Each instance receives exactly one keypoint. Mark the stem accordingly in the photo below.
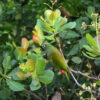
(46, 91)
(33, 94)
(89, 77)
(97, 34)
(74, 78)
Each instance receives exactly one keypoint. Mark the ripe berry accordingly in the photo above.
(63, 72)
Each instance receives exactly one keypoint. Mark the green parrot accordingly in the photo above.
(56, 57)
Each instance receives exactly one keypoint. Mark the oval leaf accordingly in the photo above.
(35, 84)
(46, 77)
(15, 86)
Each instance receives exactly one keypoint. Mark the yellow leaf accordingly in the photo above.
(22, 67)
(49, 28)
(21, 75)
(47, 13)
(34, 74)
(22, 51)
(29, 66)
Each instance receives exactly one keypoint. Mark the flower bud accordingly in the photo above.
(35, 33)
(36, 39)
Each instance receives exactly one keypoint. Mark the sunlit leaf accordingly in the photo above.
(69, 25)
(98, 83)
(40, 65)
(91, 40)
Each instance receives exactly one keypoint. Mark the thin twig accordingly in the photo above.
(46, 92)
(33, 94)
(89, 77)
(74, 78)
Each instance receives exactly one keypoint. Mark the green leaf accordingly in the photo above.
(85, 54)
(39, 62)
(19, 55)
(88, 48)
(91, 41)
(82, 42)
(32, 56)
(7, 61)
(74, 49)
(40, 65)
(15, 86)
(51, 37)
(56, 24)
(69, 25)
(69, 35)
(90, 11)
(42, 25)
(46, 77)
(52, 18)
(92, 54)
(13, 74)
(76, 60)
(35, 84)
(98, 83)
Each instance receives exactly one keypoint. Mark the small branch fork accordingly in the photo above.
(78, 84)
(89, 77)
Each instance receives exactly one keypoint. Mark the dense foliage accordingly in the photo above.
(28, 71)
